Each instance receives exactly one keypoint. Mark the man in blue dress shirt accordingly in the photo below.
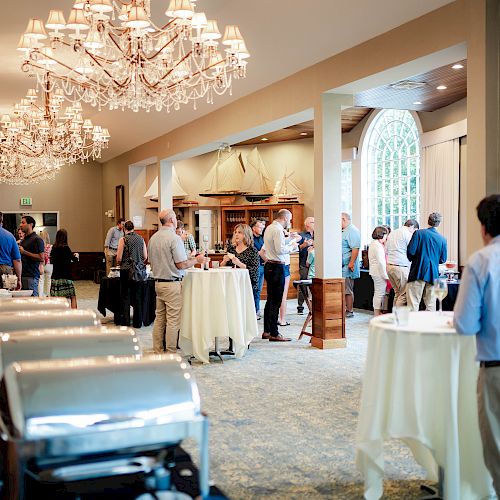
(477, 313)
(426, 250)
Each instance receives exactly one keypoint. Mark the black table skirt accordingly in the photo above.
(363, 294)
(109, 298)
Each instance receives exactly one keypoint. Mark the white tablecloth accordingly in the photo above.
(217, 303)
(420, 386)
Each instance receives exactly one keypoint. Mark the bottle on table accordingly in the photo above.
(205, 264)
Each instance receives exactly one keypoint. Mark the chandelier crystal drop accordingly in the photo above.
(39, 137)
(109, 53)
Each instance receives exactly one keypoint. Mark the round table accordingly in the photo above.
(217, 303)
(420, 386)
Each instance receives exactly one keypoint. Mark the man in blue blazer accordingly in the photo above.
(426, 250)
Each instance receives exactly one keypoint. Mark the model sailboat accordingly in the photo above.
(286, 191)
(257, 182)
(178, 191)
(224, 179)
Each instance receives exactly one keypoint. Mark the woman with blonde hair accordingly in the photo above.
(46, 267)
(242, 254)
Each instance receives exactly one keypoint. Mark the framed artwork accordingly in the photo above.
(119, 202)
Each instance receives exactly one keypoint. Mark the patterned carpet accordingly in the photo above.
(283, 418)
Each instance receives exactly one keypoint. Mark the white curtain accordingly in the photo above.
(440, 189)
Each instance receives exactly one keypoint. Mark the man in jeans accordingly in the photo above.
(257, 227)
(274, 272)
(10, 258)
(476, 313)
(168, 260)
(32, 251)
(304, 244)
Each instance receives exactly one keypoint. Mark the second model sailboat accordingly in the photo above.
(257, 183)
(224, 179)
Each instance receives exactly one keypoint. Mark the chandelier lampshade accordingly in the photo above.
(110, 53)
(38, 138)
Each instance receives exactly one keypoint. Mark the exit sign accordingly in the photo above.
(26, 201)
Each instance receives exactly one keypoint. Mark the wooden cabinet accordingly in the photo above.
(232, 215)
(146, 233)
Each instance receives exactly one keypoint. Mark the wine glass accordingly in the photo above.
(441, 291)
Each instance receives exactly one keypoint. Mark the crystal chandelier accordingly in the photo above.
(115, 56)
(40, 137)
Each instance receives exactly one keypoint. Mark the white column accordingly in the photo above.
(327, 184)
(165, 185)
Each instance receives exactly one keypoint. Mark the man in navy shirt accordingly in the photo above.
(257, 226)
(426, 250)
(10, 258)
(304, 244)
(476, 313)
(32, 250)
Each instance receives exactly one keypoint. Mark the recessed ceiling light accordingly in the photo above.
(264, 139)
(303, 133)
(417, 102)
(441, 87)
(457, 66)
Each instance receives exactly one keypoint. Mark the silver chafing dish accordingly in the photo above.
(67, 420)
(58, 343)
(33, 304)
(28, 320)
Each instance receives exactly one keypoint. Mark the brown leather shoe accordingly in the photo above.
(266, 336)
(279, 338)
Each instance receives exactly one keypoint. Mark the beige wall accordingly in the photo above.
(458, 22)
(296, 156)
(76, 194)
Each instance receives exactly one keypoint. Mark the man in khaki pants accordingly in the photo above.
(167, 257)
(426, 250)
(398, 265)
(111, 244)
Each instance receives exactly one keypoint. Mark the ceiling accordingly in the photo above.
(329, 28)
(425, 98)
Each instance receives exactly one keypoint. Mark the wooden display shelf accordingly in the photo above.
(232, 215)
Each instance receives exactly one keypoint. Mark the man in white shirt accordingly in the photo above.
(398, 265)
(276, 247)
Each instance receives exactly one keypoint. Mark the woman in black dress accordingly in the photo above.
(61, 258)
(241, 253)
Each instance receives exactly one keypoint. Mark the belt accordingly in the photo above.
(397, 265)
(489, 364)
(168, 281)
(275, 262)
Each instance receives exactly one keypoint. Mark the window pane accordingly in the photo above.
(393, 169)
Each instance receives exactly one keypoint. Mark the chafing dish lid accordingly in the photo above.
(33, 304)
(26, 320)
(82, 396)
(59, 343)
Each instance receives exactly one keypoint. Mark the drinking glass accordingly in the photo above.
(441, 291)
(215, 264)
(401, 315)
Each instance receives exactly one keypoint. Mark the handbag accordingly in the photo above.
(137, 272)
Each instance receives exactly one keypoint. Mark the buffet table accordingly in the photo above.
(109, 298)
(420, 386)
(217, 303)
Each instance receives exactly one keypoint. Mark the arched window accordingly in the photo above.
(393, 170)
